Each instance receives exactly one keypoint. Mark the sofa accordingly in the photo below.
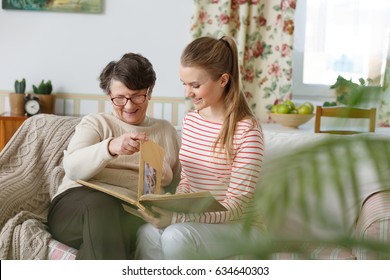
(326, 206)
(31, 170)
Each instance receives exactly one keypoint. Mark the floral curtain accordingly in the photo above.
(384, 107)
(263, 30)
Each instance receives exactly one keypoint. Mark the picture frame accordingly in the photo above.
(73, 6)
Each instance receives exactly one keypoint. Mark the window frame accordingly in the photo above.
(301, 91)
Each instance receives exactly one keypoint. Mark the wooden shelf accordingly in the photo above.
(9, 124)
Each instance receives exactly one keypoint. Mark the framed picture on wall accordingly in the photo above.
(74, 6)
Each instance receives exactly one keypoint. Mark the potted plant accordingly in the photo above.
(353, 94)
(47, 100)
(16, 98)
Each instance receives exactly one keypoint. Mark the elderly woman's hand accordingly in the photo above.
(126, 144)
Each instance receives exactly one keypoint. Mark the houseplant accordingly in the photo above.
(16, 98)
(44, 92)
(354, 94)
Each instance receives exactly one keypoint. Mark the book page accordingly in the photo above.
(150, 168)
(196, 202)
(122, 193)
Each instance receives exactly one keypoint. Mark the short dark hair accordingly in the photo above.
(133, 70)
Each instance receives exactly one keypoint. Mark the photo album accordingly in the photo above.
(150, 193)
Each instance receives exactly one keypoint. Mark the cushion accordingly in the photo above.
(318, 252)
(60, 251)
(374, 224)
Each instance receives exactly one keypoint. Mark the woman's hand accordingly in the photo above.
(162, 220)
(126, 144)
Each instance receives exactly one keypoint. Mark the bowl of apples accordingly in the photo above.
(290, 115)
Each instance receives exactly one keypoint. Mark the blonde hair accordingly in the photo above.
(217, 57)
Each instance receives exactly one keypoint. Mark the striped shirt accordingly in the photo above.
(204, 169)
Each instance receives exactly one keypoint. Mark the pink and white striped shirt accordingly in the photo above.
(206, 170)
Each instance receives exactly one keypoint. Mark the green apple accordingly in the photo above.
(309, 104)
(304, 109)
(289, 103)
(282, 109)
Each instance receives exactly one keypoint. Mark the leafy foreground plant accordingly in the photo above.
(313, 196)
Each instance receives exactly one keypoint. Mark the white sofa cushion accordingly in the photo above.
(336, 217)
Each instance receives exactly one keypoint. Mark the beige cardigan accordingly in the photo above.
(87, 155)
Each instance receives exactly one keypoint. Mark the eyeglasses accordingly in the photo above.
(122, 101)
(135, 99)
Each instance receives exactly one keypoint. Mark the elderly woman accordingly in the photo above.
(105, 148)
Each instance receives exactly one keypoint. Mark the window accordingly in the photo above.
(339, 37)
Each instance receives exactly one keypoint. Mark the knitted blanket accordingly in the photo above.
(30, 170)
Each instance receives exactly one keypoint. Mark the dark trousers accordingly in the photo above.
(94, 223)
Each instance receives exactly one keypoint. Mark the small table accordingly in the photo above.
(308, 128)
(9, 124)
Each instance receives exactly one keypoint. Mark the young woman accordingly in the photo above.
(221, 152)
(105, 149)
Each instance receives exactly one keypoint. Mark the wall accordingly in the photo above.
(71, 49)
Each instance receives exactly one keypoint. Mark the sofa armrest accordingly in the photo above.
(374, 223)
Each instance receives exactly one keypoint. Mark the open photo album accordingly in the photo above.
(149, 192)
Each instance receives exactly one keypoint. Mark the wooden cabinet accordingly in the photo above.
(8, 126)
